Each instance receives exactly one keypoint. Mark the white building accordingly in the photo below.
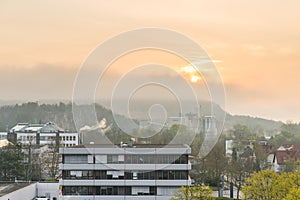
(111, 172)
(42, 134)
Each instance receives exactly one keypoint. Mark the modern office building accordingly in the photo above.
(140, 171)
(41, 134)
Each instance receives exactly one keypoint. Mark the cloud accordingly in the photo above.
(255, 49)
(39, 82)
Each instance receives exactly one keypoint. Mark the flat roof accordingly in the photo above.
(6, 188)
(129, 146)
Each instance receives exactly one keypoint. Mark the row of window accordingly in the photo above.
(127, 175)
(156, 159)
(128, 159)
(67, 138)
(49, 138)
(91, 190)
(108, 190)
(69, 145)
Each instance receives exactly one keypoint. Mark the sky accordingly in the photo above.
(256, 44)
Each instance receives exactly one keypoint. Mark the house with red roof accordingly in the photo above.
(287, 157)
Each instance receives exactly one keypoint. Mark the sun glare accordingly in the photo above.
(191, 74)
(195, 79)
(188, 69)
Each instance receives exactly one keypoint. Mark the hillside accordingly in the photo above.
(61, 114)
(32, 112)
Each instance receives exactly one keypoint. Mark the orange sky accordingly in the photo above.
(257, 41)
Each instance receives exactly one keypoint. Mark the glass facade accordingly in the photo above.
(75, 159)
(97, 190)
(147, 174)
(131, 159)
(127, 175)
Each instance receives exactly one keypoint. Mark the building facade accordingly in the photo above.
(114, 172)
(42, 134)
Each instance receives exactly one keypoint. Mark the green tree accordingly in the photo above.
(193, 193)
(241, 132)
(11, 162)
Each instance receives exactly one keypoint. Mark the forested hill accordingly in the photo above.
(32, 112)
(61, 114)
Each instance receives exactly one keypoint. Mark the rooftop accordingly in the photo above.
(6, 188)
(131, 146)
(288, 152)
(49, 127)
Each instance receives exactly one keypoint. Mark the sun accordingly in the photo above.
(190, 73)
(195, 79)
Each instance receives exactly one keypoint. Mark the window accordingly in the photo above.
(128, 175)
(159, 159)
(69, 174)
(134, 159)
(177, 175)
(113, 190)
(183, 159)
(183, 175)
(171, 175)
(112, 159)
(165, 175)
(159, 175)
(153, 190)
(87, 175)
(76, 159)
(141, 159)
(100, 174)
(78, 190)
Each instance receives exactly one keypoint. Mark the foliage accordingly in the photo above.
(241, 132)
(289, 135)
(11, 162)
(61, 114)
(32, 112)
(261, 185)
(209, 170)
(193, 193)
(268, 185)
(50, 163)
(294, 194)
(255, 124)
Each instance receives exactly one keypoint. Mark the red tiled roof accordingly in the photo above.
(291, 153)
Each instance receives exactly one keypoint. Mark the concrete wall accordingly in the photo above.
(36, 189)
(24, 193)
(49, 190)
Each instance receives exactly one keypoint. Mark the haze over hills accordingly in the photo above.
(12, 112)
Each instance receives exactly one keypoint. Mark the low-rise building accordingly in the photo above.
(287, 158)
(42, 134)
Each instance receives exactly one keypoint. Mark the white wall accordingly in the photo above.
(35, 189)
(27, 193)
(51, 188)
